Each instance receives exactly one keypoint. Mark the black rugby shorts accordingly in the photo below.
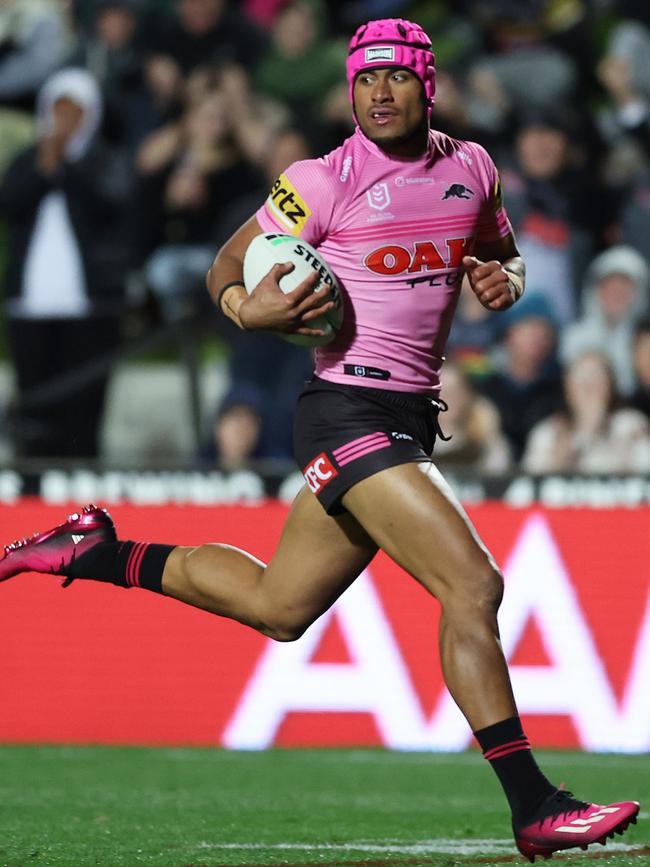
(345, 433)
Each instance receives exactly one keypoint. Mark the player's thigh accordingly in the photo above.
(412, 514)
(317, 558)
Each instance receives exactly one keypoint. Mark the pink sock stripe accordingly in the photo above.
(505, 749)
(353, 444)
(366, 451)
(133, 564)
(129, 563)
(137, 563)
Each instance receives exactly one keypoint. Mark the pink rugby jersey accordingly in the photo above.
(394, 230)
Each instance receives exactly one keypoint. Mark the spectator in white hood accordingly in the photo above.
(614, 298)
(64, 199)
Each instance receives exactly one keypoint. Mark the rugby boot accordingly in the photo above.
(52, 552)
(562, 822)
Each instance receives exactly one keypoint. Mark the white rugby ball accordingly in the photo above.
(267, 250)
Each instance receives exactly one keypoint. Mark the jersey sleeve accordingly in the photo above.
(493, 221)
(299, 203)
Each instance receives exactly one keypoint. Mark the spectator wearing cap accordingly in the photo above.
(526, 385)
(592, 432)
(614, 298)
(557, 212)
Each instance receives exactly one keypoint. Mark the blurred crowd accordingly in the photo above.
(137, 135)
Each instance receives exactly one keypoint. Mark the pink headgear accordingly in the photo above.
(393, 42)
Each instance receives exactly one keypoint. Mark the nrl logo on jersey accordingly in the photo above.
(378, 197)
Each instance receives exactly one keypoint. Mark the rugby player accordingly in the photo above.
(401, 213)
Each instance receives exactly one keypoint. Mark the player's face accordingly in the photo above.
(390, 109)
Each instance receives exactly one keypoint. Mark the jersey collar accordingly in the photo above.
(426, 156)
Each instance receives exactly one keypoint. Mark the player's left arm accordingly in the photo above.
(496, 272)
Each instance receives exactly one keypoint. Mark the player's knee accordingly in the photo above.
(493, 589)
(284, 625)
(486, 592)
(479, 596)
(285, 631)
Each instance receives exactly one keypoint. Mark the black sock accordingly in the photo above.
(127, 564)
(507, 748)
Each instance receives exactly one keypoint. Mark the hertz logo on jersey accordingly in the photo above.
(288, 206)
(422, 256)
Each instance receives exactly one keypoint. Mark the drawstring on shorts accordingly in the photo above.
(439, 406)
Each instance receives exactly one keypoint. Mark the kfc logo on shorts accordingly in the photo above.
(319, 473)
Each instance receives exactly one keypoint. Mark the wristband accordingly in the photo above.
(515, 285)
(229, 311)
(225, 289)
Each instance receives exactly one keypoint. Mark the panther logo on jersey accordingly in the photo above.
(458, 191)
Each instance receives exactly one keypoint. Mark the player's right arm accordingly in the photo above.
(267, 307)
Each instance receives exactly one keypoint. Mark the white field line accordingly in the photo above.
(422, 847)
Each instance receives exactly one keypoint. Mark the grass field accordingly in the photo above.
(107, 806)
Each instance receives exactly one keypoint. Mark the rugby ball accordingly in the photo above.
(267, 250)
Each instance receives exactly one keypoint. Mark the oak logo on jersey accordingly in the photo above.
(288, 206)
(421, 256)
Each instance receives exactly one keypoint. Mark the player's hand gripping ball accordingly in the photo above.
(267, 250)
